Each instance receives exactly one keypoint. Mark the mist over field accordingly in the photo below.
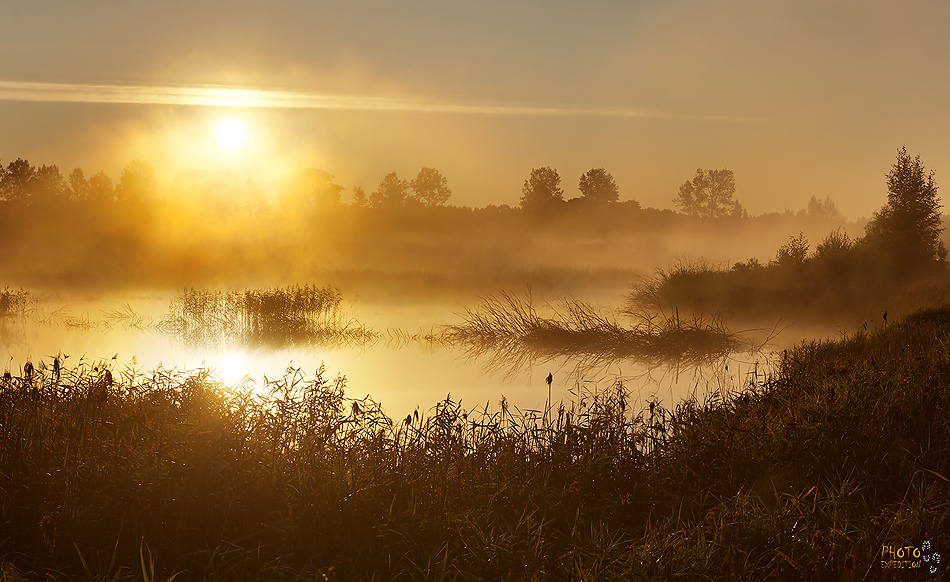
(474, 291)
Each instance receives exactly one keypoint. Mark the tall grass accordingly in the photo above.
(15, 303)
(831, 287)
(801, 475)
(510, 328)
(264, 317)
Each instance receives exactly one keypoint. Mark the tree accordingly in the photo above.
(309, 189)
(541, 189)
(48, 185)
(392, 192)
(908, 226)
(709, 195)
(793, 253)
(17, 181)
(137, 183)
(431, 187)
(78, 188)
(359, 197)
(100, 188)
(824, 210)
(598, 185)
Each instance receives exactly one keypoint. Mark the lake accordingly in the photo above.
(402, 368)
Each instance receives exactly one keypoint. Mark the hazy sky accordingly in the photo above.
(797, 97)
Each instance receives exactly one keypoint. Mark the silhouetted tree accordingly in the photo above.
(541, 189)
(48, 185)
(137, 183)
(431, 187)
(597, 184)
(101, 189)
(823, 210)
(908, 227)
(310, 188)
(836, 246)
(17, 181)
(359, 197)
(78, 186)
(794, 252)
(392, 192)
(709, 194)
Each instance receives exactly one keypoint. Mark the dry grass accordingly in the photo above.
(802, 474)
(510, 328)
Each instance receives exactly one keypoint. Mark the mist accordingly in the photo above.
(487, 291)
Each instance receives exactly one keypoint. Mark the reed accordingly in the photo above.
(804, 473)
(15, 303)
(264, 317)
(510, 327)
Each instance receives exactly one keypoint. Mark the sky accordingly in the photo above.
(797, 97)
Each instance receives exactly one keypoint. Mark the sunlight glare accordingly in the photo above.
(231, 133)
(232, 367)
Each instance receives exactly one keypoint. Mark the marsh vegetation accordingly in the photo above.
(510, 330)
(264, 318)
(786, 475)
(803, 468)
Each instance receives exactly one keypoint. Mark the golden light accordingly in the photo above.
(232, 367)
(231, 133)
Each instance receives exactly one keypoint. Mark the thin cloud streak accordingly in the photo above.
(225, 96)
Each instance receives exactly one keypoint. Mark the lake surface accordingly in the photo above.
(402, 370)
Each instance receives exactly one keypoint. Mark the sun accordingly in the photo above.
(231, 133)
(232, 367)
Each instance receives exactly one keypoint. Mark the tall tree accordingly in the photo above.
(310, 188)
(359, 197)
(709, 194)
(78, 188)
(17, 181)
(48, 185)
(392, 192)
(431, 187)
(100, 188)
(137, 183)
(541, 189)
(908, 226)
(598, 185)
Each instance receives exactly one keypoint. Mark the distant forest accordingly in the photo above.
(213, 227)
(710, 194)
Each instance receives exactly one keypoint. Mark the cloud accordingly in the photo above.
(229, 96)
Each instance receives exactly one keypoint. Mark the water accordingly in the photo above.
(402, 370)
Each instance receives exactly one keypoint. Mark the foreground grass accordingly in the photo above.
(803, 475)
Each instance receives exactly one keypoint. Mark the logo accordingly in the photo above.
(910, 557)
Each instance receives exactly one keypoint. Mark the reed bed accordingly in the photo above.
(268, 318)
(15, 303)
(510, 328)
(803, 474)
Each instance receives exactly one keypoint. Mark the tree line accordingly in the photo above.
(903, 236)
(709, 194)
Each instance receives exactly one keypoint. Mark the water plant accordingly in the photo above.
(806, 473)
(277, 317)
(510, 329)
